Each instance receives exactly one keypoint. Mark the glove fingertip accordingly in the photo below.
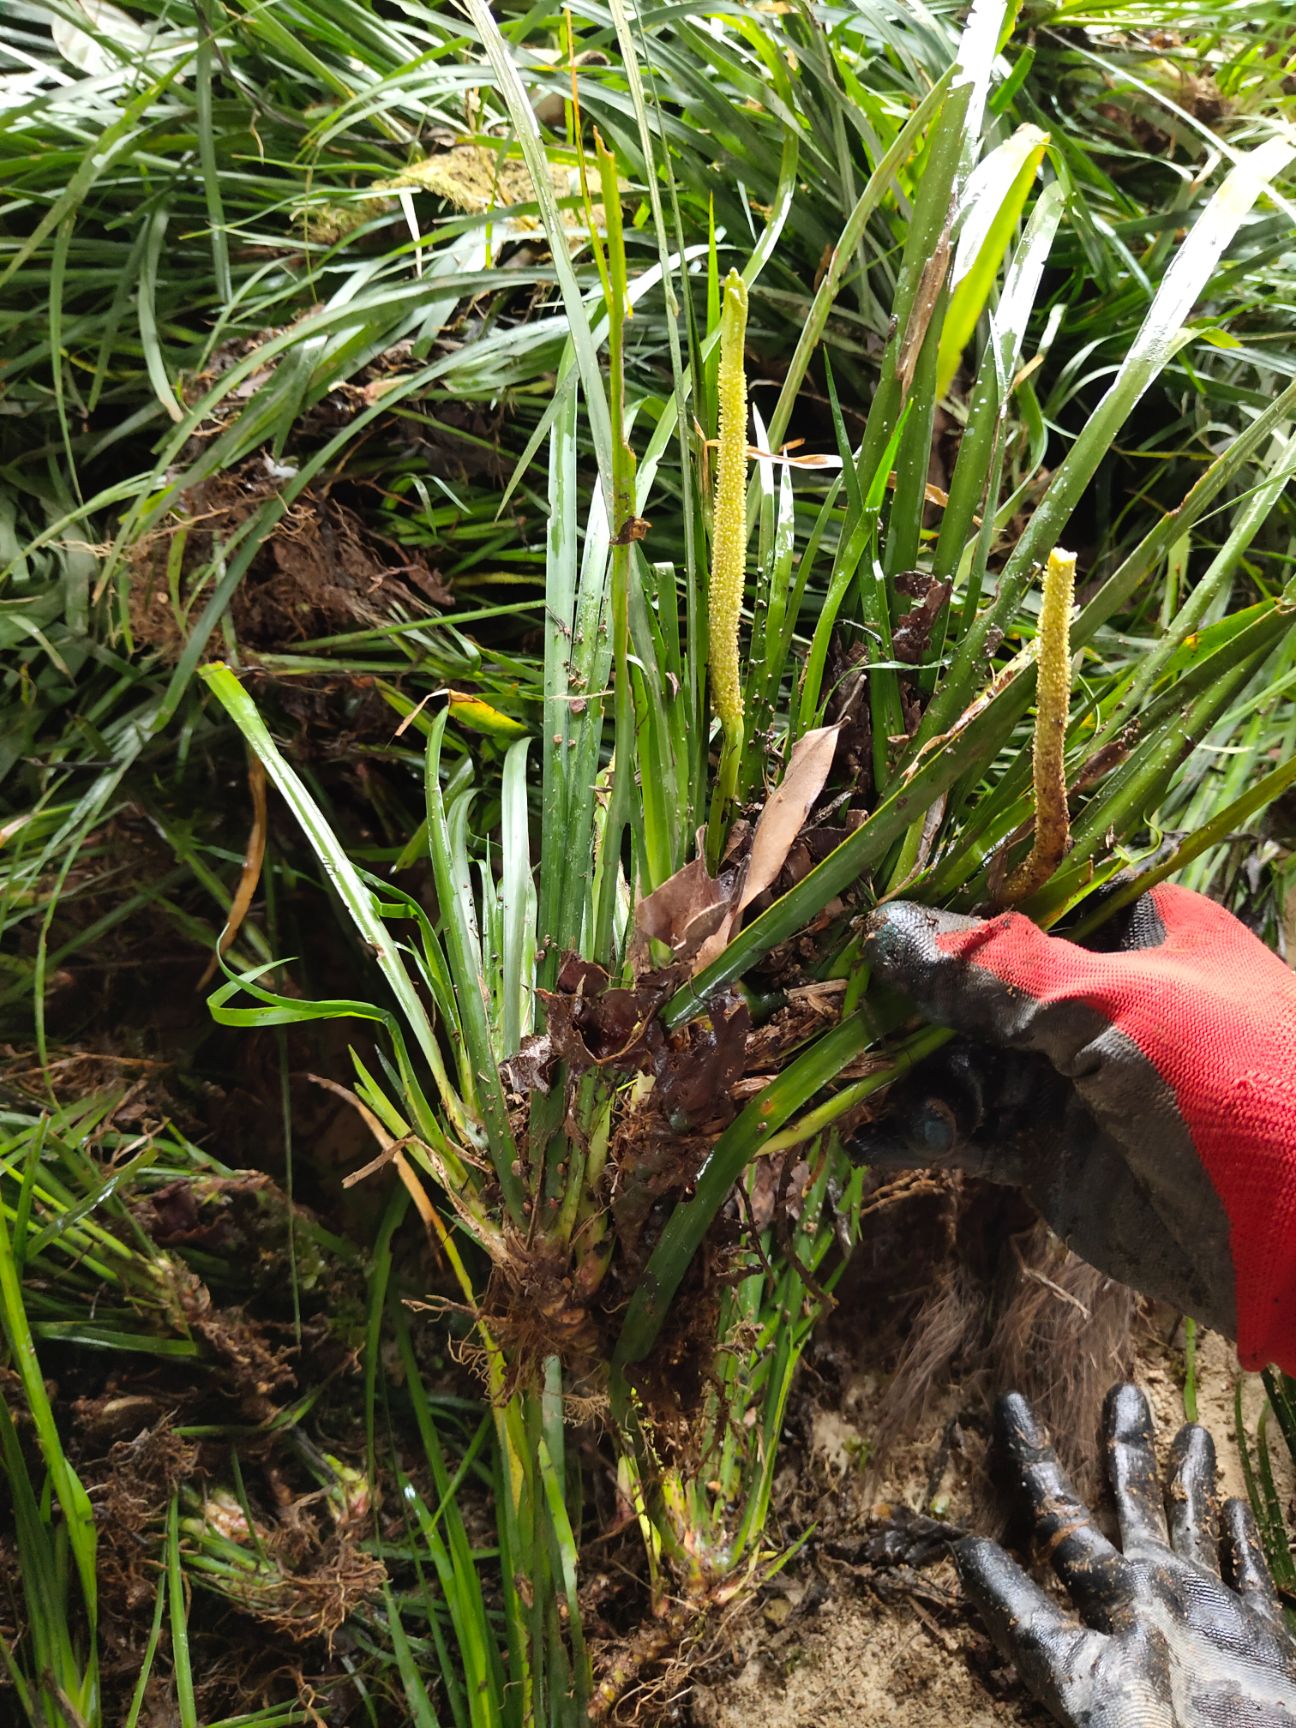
(985, 977)
(1127, 1416)
(1016, 1425)
(901, 939)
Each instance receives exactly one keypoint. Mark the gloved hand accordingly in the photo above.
(1144, 1099)
(1166, 1641)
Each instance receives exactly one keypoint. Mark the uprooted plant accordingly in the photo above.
(609, 1050)
(610, 1030)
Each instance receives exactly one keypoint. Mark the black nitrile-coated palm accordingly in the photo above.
(1009, 1117)
(1179, 1628)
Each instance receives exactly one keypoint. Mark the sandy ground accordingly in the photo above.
(861, 1665)
(835, 1642)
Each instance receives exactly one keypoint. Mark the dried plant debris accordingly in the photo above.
(319, 570)
(301, 1572)
(255, 1370)
(475, 178)
(687, 909)
(696, 915)
(912, 636)
(539, 1303)
(593, 1024)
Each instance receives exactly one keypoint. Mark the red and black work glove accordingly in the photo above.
(1143, 1099)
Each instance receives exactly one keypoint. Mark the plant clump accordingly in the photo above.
(421, 1158)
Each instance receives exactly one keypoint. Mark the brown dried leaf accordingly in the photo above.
(930, 284)
(696, 1076)
(784, 814)
(253, 858)
(531, 1070)
(777, 831)
(912, 634)
(687, 908)
(591, 1025)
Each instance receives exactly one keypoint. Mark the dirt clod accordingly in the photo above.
(319, 568)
